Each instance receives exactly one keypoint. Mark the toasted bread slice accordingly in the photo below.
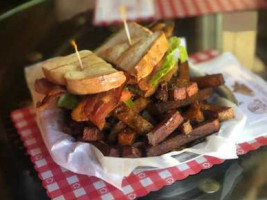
(55, 69)
(138, 59)
(136, 31)
(95, 79)
(96, 76)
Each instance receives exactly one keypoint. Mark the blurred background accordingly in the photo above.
(32, 31)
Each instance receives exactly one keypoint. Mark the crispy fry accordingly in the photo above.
(200, 131)
(223, 113)
(131, 152)
(126, 137)
(194, 113)
(165, 128)
(158, 27)
(114, 152)
(167, 28)
(92, 134)
(182, 88)
(165, 106)
(186, 127)
(116, 129)
(132, 119)
(102, 146)
(184, 71)
(140, 104)
(209, 81)
(162, 92)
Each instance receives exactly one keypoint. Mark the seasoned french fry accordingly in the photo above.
(169, 105)
(126, 137)
(200, 131)
(184, 71)
(162, 92)
(132, 119)
(116, 129)
(114, 152)
(140, 104)
(194, 113)
(209, 81)
(186, 127)
(223, 113)
(167, 28)
(165, 128)
(131, 152)
(181, 88)
(92, 134)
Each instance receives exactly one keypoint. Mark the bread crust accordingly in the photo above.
(93, 85)
(59, 69)
(152, 57)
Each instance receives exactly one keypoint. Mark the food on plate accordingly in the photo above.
(209, 81)
(201, 130)
(223, 113)
(133, 100)
(165, 128)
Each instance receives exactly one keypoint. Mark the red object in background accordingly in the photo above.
(165, 9)
(188, 8)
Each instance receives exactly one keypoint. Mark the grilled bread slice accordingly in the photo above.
(95, 77)
(139, 59)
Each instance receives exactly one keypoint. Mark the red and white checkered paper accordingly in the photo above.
(165, 9)
(62, 184)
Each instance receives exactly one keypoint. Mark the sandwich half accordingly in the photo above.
(141, 57)
(95, 77)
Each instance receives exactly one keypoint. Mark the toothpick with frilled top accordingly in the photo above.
(73, 43)
(123, 16)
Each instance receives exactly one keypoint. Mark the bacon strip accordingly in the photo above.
(50, 98)
(43, 86)
(97, 107)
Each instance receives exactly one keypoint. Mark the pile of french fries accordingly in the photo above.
(177, 115)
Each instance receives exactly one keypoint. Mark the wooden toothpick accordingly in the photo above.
(73, 43)
(123, 16)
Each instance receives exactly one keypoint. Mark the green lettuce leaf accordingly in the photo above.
(174, 42)
(68, 101)
(183, 54)
(174, 53)
(129, 103)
